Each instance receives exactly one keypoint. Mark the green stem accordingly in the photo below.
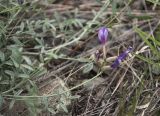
(104, 52)
(51, 95)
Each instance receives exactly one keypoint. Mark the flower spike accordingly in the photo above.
(121, 57)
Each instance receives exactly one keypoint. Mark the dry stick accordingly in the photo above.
(99, 108)
(119, 82)
(87, 105)
(114, 77)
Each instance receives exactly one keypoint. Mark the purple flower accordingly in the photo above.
(121, 57)
(97, 55)
(103, 35)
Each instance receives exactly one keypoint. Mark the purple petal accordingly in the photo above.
(115, 64)
(120, 58)
(97, 55)
(103, 34)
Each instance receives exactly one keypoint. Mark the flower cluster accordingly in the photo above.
(102, 37)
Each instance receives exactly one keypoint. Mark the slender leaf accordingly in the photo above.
(88, 67)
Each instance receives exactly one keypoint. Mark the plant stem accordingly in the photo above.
(104, 52)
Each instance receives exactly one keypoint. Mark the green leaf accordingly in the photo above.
(10, 73)
(38, 24)
(1, 101)
(12, 104)
(156, 41)
(114, 7)
(146, 59)
(18, 92)
(45, 102)
(5, 82)
(64, 107)
(51, 56)
(10, 63)
(15, 63)
(156, 69)
(16, 55)
(28, 60)
(23, 75)
(83, 60)
(2, 56)
(75, 97)
(34, 86)
(40, 41)
(99, 1)
(17, 41)
(27, 67)
(154, 2)
(88, 67)
(144, 36)
(51, 110)
(22, 26)
(39, 72)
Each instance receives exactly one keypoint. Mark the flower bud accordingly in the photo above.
(103, 35)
